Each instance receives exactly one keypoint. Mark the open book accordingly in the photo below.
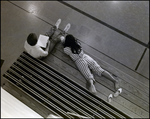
(42, 40)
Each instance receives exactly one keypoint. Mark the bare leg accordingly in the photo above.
(85, 71)
(109, 76)
(51, 32)
(57, 39)
(91, 86)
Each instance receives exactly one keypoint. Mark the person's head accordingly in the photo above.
(32, 39)
(70, 41)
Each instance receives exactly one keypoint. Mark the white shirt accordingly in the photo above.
(35, 51)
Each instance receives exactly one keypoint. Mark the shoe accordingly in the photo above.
(109, 99)
(118, 92)
(67, 27)
(58, 23)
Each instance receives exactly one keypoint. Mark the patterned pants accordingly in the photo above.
(85, 64)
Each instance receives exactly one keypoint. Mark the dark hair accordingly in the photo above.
(71, 42)
(32, 39)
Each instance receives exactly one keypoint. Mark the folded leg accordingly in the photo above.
(93, 65)
(52, 30)
(85, 71)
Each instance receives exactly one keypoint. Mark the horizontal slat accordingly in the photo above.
(64, 87)
(120, 103)
(61, 112)
(71, 104)
(39, 63)
(40, 90)
(56, 91)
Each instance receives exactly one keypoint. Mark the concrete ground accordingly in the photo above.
(116, 32)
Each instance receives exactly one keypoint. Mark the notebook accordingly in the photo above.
(42, 40)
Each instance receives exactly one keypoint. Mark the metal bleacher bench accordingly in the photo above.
(55, 91)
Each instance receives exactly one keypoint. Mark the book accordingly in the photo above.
(42, 40)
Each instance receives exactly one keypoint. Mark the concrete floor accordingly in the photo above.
(18, 19)
(118, 31)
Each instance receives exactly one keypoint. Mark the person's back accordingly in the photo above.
(73, 48)
(32, 48)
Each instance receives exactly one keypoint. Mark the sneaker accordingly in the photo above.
(58, 23)
(118, 92)
(109, 98)
(67, 27)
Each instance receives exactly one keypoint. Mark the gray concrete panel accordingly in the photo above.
(48, 11)
(131, 17)
(16, 25)
(107, 41)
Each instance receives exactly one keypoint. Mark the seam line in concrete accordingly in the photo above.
(105, 24)
(140, 59)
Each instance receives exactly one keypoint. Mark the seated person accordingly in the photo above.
(32, 48)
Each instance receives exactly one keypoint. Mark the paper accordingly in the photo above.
(42, 41)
